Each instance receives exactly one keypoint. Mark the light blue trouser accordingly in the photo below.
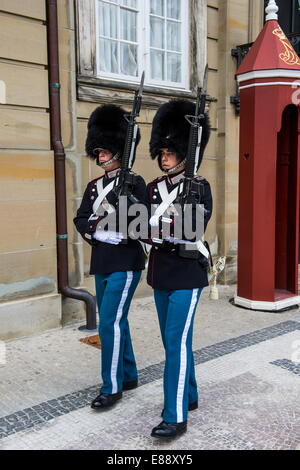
(114, 294)
(176, 311)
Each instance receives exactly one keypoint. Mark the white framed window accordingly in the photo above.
(137, 35)
(118, 39)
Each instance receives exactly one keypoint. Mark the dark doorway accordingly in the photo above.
(286, 202)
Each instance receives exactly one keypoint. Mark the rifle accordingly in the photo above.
(191, 187)
(126, 179)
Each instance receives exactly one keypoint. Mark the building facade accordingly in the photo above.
(101, 61)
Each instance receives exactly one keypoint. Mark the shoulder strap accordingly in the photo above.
(102, 193)
(167, 200)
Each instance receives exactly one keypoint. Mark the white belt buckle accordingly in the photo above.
(167, 220)
(93, 217)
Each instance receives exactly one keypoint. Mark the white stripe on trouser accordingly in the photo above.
(117, 334)
(183, 359)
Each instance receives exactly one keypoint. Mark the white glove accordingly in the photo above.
(154, 221)
(178, 240)
(108, 236)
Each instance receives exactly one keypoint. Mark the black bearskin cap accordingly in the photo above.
(107, 129)
(171, 130)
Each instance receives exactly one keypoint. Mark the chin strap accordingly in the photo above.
(171, 170)
(113, 159)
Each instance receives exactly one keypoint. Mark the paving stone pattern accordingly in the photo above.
(46, 411)
(289, 365)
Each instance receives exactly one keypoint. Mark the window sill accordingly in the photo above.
(94, 89)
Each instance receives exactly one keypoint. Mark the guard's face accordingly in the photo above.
(104, 155)
(168, 159)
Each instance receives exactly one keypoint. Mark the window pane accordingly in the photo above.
(289, 20)
(173, 36)
(296, 16)
(288, 14)
(129, 60)
(157, 38)
(173, 9)
(128, 25)
(108, 20)
(130, 3)
(157, 7)
(108, 56)
(157, 65)
(174, 67)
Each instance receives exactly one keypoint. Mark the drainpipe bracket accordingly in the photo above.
(55, 85)
(84, 329)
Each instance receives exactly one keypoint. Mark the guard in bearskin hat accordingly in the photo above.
(116, 260)
(176, 275)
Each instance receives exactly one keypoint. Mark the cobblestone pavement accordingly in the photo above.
(247, 366)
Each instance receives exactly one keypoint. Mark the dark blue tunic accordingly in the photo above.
(105, 257)
(167, 270)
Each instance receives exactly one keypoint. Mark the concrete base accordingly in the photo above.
(35, 314)
(73, 310)
(276, 306)
(32, 315)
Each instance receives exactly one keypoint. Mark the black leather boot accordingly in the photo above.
(192, 406)
(169, 430)
(130, 385)
(105, 400)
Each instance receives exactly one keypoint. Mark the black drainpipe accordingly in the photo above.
(60, 170)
